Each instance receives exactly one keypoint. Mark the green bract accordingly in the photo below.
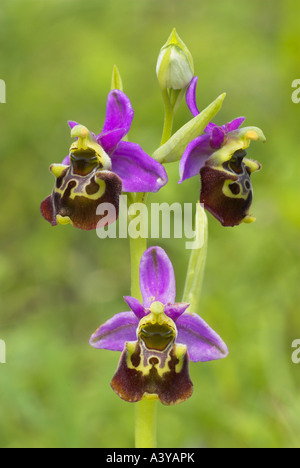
(174, 148)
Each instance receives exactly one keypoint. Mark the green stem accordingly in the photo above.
(145, 424)
(145, 414)
(169, 118)
(137, 248)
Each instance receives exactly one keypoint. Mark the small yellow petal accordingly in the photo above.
(252, 165)
(58, 169)
(249, 219)
(63, 220)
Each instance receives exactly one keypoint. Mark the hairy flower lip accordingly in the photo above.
(226, 194)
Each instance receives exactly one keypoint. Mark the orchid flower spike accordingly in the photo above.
(157, 338)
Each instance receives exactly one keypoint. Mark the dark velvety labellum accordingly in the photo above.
(226, 196)
(226, 190)
(48, 211)
(77, 197)
(171, 386)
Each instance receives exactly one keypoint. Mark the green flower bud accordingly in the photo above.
(175, 67)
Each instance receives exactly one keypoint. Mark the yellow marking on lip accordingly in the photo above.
(180, 352)
(228, 193)
(145, 370)
(74, 193)
(101, 191)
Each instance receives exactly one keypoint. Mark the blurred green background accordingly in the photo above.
(59, 284)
